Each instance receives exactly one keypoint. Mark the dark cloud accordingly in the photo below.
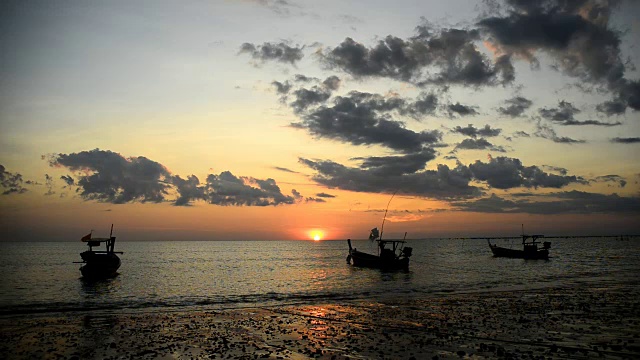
(12, 183)
(478, 144)
(312, 199)
(461, 110)
(611, 178)
(280, 52)
(443, 183)
(362, 119)
(474, 132)
(568, 202)
(447, 57)
(332, 83)
(380, 175)
(188, 189)
(307, 97)
(426, 104)
(114, 178)
(282, 88)
(68, 180)
(628, 140)
(505, 173)
(397, 165)
(304, 78)
(521, 134)
(296, 194)
(576, 34)
(546, 132)
(107, 176)
(610, 108)
(564, 113)
(516, 106)
(228, 190)
(325, 195)
(285, 169)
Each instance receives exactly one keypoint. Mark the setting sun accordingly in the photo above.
(316, 235)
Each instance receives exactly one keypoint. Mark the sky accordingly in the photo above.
(286, 119)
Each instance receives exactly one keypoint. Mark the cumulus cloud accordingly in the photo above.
(506, 173)
(12, 183)
(397, 165)
(282, 87)
(114, 178)
(377, 175)
(106, 176)
(461, 110)
(474, 132)
(564, 113)
(280, 52)
(478, 144)
(447, 57)
(362, 119)
(610, 108)
(515, 106)
(576, 34)
(443, 183)
(227, 189)
(425, 104)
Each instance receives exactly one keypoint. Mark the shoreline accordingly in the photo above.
(581, 322)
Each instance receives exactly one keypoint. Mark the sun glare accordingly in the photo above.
(316, 235)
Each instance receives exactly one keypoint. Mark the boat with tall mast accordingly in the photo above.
(392, 254)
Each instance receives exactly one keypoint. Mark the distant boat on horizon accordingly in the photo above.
(530, 249)
(100, 264)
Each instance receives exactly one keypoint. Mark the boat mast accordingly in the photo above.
(385, 214)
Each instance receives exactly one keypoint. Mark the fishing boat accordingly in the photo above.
(392, 254)
(99, 264)
(530, 249)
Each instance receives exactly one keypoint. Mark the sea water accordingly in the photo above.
(41, 277)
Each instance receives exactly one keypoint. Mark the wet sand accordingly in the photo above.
(551, 323)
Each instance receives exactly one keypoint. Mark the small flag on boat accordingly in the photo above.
(86, 237)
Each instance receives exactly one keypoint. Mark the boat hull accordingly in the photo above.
(541, 254)
(361, 259)
(99, 266)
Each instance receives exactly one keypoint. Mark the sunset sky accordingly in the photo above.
(287, 119)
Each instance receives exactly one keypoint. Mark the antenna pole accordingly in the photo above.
(385, 214)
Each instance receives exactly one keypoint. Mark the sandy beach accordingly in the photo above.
(588, 322)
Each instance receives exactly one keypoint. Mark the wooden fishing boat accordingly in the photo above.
(530, 249)
(98, 264)
(392, 254)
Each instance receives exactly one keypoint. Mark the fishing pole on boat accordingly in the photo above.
(385, 214)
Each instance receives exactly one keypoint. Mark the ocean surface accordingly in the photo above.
(40, 277)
